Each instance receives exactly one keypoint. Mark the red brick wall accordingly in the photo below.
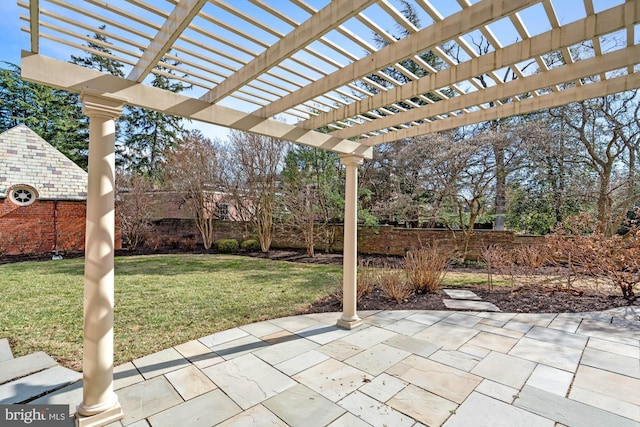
(43, 227)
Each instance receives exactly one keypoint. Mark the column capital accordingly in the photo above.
(351, 160)
(94, 105)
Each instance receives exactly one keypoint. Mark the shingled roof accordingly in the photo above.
(27, 159)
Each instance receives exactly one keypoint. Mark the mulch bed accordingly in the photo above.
(517, 299)
(526, 299)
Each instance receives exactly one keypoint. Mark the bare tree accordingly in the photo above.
(192, 170)
(312, 196)
(463, 174)
(134, 207)
(609, 135)
(251, 178)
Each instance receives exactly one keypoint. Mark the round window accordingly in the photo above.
(22, 196)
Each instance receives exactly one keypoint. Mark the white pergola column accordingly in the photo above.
(100, 404)
(350, 319)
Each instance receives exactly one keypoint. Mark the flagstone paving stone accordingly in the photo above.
(461, 294)
(285, 350)
(248, 380)
(557, 356)
(333, 379)
(20, 366)
(349, 420)
(377, 359)
(202, 411)
(432, 410)
(147, 398)
(401, 368)
(383, 387)
(445, 381)
(456, 304)
(557, 337)
(292, 406)
(5, 350)
(190, 382)
(413, 345)
(550, 379)
(257, 416)
(481, 410)
(223, 337)
(301, 362)
(456, 359)
(29, 387)
(447, 335)
(462, 319)
(568, 411)
(611, 362)
(160, 363)
(373, 412)
(497, 391)
(504, 369)
(492, 341)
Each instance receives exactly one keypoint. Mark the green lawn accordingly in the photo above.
(160, 300)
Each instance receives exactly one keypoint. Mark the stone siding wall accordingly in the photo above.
(384, 240)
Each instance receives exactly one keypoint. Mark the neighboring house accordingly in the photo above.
(42, 197)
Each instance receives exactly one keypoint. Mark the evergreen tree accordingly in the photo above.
(54, 114)
(148, 134)
(98, 62)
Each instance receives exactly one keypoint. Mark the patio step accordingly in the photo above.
(35, 385)
(25, 378)
(5, 350)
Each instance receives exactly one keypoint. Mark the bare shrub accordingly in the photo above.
(367, 278)
(584, 251)
(394, 285)
(490, 255)
(187, 243)
(134, 208)
(500, 262)
(426, 267)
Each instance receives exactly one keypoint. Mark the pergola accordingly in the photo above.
(285, 68)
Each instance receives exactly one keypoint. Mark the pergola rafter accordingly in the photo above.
(361, 71)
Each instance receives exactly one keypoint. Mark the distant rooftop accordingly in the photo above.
(27, 159)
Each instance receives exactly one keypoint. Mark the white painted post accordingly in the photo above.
(350, 319)
(100, 404)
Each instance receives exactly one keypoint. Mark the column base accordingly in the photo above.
(102, 419)
(349, 324)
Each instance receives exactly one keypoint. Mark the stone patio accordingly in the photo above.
(402, 368)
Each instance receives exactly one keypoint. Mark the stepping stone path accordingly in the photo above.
(462, 299)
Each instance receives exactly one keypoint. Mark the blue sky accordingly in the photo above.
(12, 39)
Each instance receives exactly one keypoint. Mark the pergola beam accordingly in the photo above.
(325, 20)
(34, 25)
(570, 72)
(459, 23)
(178, 20)
(528, 105)
(605, 22)
(75, 78)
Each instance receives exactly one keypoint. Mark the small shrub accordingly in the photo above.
(187, 243)
(426, 267)
(227, 246)
(250, 245)
(394, 286)
(367, 277)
